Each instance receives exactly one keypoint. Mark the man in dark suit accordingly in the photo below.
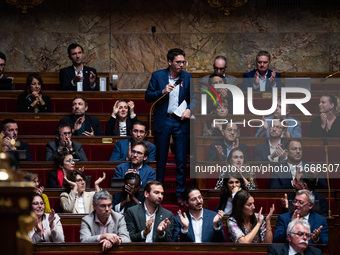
(303, 203)
(10, 138)
(283, 178)
(122, 150)
(261, 79)
(185, 225)
(3, 60)
(272, 150)
(139, 153)
(81, 123)
(166, 122)
(78, 77)
(220, 150)
(150, 222)
(298, 234)
(63, 142)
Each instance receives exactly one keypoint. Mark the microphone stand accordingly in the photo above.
(325, 144)
(329, 76)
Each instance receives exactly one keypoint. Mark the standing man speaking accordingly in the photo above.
(166, 122)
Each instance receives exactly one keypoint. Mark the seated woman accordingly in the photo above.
(246, 226)
(34, 177)
(120, 122)
(64, 163)
(232, 183)
(48, 227)
(76, 199)
(237, 161)
(328, 123)
(211, 129)
(33, 100)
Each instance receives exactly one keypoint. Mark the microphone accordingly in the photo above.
(325, 144)
(179, 81)
(329, 76)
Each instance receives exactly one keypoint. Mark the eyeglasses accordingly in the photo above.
(180, 62)
(69, 160)
(219, 69)
(301, 234)
(194, 199)
(136, 131)
(80, 180)
(137, 152)
(37, 203)
(300, 202)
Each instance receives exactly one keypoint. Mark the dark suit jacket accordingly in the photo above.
(147, 173)
(262, 151)
(52, 179)
(212, 153)
(282, 180)
(67, 74)
(135, 221)
(24, 104)
(208, 232)
(248, 79)
(24, 146)
(90, 121)
(110, 126)
(52, 149)
(315, 221)
(158, 81)
(120, 151)
(279, 249)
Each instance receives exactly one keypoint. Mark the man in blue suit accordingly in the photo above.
(261, 79)
(197, 225)
(303, 203)
(122, 150)
(139, 153)
(166, 122)
(78, 77)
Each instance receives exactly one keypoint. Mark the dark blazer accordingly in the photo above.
(52, 149)
(120, 151)
(147, 173)
(212, 153)
(262, 151)
(315, 129)
(208, 232)
(24, 146)
(90, 121)
(282, 180)
(283, 249)
(67, 74)
(158, 81)
(24, 104)
(248, 79)
(121, 196)
(135, 222)
(315, 221)
(110, 126)
(52, 179)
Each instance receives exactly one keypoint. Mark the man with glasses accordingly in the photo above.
(103, 225)
(298, 235)
(197, 225)
(122, 150)
(139, 153)
(162, 87)
(2, 69)
(273, 149)
(303, 203)
(220, 67)
(63, 142)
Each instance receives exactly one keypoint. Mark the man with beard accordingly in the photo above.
(10, 138)
(272, 150)
(139, 153)
(298, 234)
(104, 225)
(150, 222)
(303, 203)
(294, 126)
(81, 123)
(197, 225)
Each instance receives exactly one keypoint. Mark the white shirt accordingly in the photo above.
(148, 216)
(79, 84)
(173, 96)
(293, 170)
(196, 227)
(102, 227)
(262, 83)
(291, 251)
(80, 203)
(272, 149)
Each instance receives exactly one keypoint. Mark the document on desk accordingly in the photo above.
(181, 108)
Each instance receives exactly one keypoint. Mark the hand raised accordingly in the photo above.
(184, 220)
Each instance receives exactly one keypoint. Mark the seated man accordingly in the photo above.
(273, 149)
(81, 123)
(10, 136)
(303, 203)
(63, 142)
(261, 79)
(104, 225)
(150, 222)
(220, 150)
(197, 225)
(2, 69)
(130, 195)
(139, 153)
(298, 234)
(122, 150)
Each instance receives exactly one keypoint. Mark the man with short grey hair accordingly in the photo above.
(104, 225)
(298, 234)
